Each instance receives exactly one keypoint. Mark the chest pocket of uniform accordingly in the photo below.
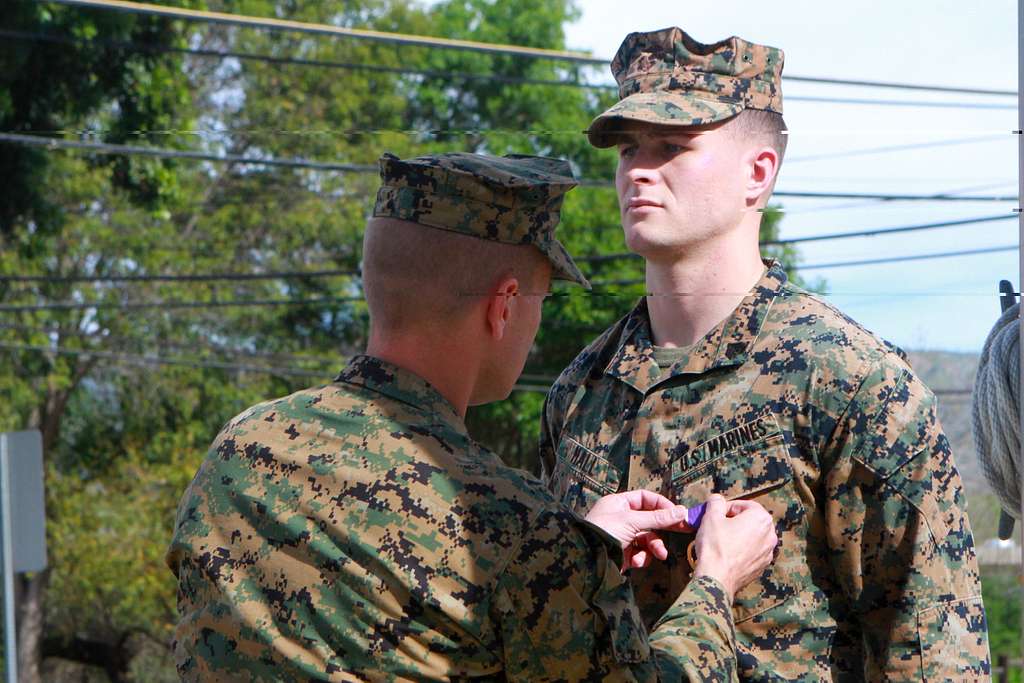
(751, 462)
(581, 476)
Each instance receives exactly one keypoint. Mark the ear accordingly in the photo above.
(763, 165)
(501, 306)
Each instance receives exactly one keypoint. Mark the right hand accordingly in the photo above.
(735, 543)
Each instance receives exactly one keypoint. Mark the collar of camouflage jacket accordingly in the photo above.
(401, 385)
(728, 344)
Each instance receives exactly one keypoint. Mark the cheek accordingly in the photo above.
(537, 315)
(621, 185)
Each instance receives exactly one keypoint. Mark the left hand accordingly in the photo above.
(633, 517)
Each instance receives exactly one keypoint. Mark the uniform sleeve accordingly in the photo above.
(550, 427)
(566, 612)
(900, 541)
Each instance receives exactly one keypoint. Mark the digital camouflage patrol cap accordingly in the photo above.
(666, 77)
(514, 199)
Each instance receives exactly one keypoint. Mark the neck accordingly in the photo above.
(708, 283)
(441, 359)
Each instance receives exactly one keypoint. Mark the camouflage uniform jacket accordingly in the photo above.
(354, 531)
(790, 403)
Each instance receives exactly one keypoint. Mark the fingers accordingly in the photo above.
(643, 549)
(639, 560)
(669, 519)
(642, 499)
(653, 544)
(739, 506)
(717, 506)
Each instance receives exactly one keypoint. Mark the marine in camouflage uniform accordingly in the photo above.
(355, 531)
(790, 403)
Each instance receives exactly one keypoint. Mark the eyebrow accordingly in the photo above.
(626, 138)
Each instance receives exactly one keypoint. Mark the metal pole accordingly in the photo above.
(1020, 256)
(10, 619)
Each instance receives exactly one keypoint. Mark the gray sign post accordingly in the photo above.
(22, 523)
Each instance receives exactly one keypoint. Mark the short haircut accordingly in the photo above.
(416, 276)
(764, 126)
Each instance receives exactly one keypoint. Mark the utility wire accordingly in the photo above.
(447, 75)
(917, 257)
(599, 258)
(63, 305)
(839, 264)
(331, 30)
(298, 61)
(888, 231)
(136, 359)
(898, 148)
(135, 305)
(106, 148)
(190, 346)
(621, 256)
(897, 103)
(131, 150)
(447, 43)
(190, 277)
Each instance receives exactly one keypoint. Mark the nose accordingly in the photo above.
(640, 175)
(641, 169)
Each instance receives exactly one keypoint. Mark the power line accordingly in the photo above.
(298, 61)
(620, 256)
(191, 346)
(899, 148)
(837, 264)
(897, 103)
(888, 231)
(191, 277)
(903, 86)
(448, 43)
(131, 150)
(916, 257)
(447, 75)
(941, 197)
(336, 31)
(600, 258)
(107, 148)
(136, 359)
(136, 305)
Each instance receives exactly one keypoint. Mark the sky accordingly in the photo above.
(940, 304)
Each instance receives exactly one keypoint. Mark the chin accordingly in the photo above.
(651, 245)
(490, 396)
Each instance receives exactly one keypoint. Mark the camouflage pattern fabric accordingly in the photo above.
(792, 404)
(515, 199)
(666, 77)
(355, 531)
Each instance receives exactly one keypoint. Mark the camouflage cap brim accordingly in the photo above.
(660, 108)
(562, 265)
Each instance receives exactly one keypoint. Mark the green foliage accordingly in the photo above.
(1002, 592)
(76, 69)
(124, 435)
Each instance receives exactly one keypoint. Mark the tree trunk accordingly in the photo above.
(29, 591)
(30, 626)
(113, 657)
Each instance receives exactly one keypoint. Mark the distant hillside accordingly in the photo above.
(946, 370)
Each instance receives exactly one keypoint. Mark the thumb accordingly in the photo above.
(651, 520)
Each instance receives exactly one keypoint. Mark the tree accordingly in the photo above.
(129, 398)
(45, 90)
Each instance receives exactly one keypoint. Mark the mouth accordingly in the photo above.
(640, 203)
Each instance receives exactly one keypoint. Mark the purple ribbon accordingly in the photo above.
(695, 514)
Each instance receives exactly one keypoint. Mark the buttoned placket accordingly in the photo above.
(727, 345)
